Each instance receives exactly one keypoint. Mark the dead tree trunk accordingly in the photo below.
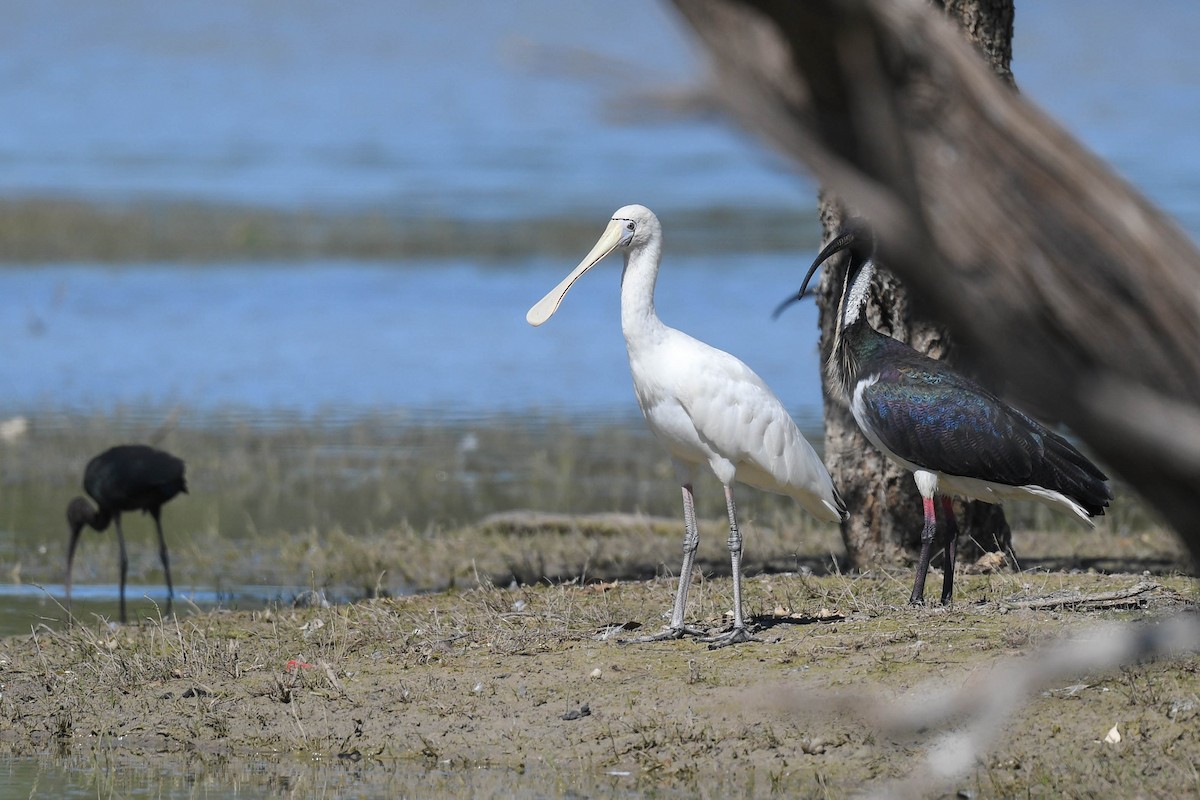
(887, 518)
(1080, 296)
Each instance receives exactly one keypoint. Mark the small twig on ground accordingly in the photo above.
(1120, 597)
(332, 677)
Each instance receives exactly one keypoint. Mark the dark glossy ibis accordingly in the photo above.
(128, 477)
(956, 437)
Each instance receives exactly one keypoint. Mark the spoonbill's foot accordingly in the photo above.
(735, 636)
(669, 633)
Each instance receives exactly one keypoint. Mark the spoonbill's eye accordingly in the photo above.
(629, 225)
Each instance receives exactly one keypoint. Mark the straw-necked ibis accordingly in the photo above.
(957, 437)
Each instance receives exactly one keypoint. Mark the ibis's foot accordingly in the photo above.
(668, 633)
(917, 598)
(919, 602)
(735, 636)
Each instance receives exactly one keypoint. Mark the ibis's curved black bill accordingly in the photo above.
(779, 309)
(847, 237)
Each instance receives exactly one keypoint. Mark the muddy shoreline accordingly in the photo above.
(534, 680)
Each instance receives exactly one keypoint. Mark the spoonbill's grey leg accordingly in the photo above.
(739, 633)
(691, 541)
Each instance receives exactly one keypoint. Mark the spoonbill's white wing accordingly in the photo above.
(706, 406)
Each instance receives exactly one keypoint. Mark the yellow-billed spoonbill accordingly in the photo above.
(705, 406)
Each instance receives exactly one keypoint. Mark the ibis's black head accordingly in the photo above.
(80, 513)
(855, 237)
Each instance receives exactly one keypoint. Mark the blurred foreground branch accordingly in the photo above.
(960, 724)
(1067, 284)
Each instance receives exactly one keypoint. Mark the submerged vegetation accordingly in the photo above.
(31, 232)
(390, 504)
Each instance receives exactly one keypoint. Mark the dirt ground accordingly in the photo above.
(537, 681)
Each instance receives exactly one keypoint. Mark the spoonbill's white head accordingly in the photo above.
(631, 228)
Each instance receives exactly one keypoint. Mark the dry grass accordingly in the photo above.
(497, 678)
(390, 504)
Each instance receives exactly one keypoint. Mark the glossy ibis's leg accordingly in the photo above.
(927, 536)
(739, 633)
(166, 559)
(124, 560)
(951, 550)
(691, 541)
(70, 563)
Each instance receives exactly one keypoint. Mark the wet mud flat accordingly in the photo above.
(531, 690)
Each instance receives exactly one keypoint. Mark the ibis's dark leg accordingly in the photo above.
(951, 550)
(124, 560)
(162, 554)
(927, 536)
(739, 633)
(691, 541)
(70, 563)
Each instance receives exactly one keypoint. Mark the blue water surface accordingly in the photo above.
(459, 108)
(531, 108)
(347, 338)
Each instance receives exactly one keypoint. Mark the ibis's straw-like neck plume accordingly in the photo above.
(855, 292)
(842, 366)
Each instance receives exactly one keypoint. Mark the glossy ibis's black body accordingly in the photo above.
(128, 477)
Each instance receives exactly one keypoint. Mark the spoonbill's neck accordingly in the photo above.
(639, 322)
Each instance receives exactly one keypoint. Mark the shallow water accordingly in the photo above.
(107, 774)
(26, 606)
(389, 104)
(348, 338)
(316, 503)
(530, 108)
